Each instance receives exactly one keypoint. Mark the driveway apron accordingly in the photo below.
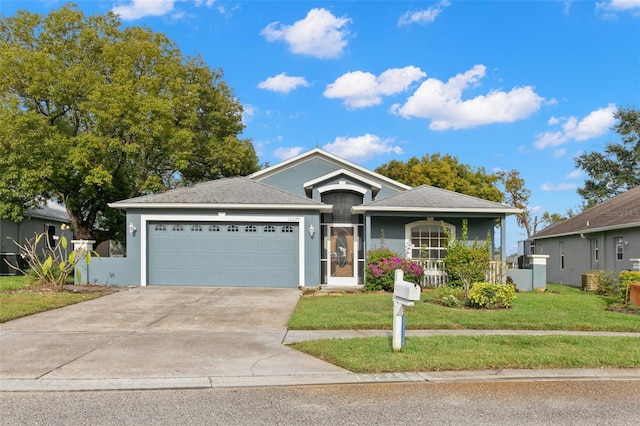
(153, 332)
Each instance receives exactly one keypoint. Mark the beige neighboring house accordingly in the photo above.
(47, 219)
(604, 237)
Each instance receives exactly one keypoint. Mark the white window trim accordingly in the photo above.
(144, 218)
(342, 187)
(428, 222)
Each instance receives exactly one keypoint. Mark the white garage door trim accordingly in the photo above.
(217, 218)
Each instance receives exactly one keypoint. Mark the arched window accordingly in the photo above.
(427, 240)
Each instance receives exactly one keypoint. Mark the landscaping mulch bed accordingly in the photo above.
(101, 290)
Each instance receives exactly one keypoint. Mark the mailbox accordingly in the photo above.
(404, 294)
(403, 290)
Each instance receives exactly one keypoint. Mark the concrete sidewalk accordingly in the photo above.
(170, 338)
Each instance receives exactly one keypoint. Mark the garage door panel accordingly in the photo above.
(223, 254)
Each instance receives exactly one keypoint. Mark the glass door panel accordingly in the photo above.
(342, 263)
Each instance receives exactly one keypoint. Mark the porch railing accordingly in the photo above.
(435, 273)
(494, 275)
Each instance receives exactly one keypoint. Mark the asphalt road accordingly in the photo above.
(493, 403)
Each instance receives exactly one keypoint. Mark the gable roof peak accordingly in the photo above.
(341, 162)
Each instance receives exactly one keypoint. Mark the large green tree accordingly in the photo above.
(446, 172)
(92, 113)
(617, 169)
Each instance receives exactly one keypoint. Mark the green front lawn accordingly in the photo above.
(560, 308)
(19, 299)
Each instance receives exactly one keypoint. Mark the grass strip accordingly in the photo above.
(446, 353)
(17, 305)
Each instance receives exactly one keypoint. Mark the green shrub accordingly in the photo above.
(466, 263)
(607, 282)
(51, 266)
(626, 278)
(451, 297)
(491, 296)
(381, 266)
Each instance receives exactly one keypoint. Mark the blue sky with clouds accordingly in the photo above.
(503, 85)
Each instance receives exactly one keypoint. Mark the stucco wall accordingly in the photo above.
(127, 270)
(579, 254)
(394, 229)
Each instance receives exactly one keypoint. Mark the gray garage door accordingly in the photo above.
(223, 254)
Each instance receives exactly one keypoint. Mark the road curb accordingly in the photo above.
(83, 385)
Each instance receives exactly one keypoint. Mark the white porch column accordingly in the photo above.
(503, 240)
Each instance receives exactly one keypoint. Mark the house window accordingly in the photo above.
(287, 229)
(427, 239)
(269, 228)
(233, 228)
(196, 228)
(214, 228)
(596, 252)
(250, 228)
(178, 228)
(619, 248)
(561, 255)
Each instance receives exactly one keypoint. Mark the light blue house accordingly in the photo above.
(307, 221)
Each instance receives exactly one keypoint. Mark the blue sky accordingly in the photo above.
(524, 85)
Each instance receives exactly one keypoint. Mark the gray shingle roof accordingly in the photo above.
(430, 198)
(50, 211)
(618, 212)
(230, 191)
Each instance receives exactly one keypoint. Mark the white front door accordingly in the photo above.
(342, 244)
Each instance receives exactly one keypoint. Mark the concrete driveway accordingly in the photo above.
(228, 335)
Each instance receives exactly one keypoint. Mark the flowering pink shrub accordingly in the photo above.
(381, 266)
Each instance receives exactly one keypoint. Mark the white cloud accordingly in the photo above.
(618, 5)
(576, 174)
(207, 3)
(282, 83)
(423, 16)
(140, 8)
(558, 187)
(319, 34)
(361, 148)
(136, 9)
(442, 103)
(594, 125)
(286, 153)
(360, 89)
